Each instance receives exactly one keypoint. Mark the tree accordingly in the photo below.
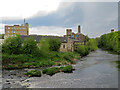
(43, 46)
(92, 44)
(30, 46)
(12, 45)
(54, 44)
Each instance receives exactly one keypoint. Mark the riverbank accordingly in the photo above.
(12, 62)
(92, 71)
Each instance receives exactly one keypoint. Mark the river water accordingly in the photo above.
(96, 70)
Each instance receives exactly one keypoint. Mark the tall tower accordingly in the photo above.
(24, 21)
(79, 29)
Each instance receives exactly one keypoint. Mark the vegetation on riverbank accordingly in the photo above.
(91, 45)
(29, 54)
(118, 64)
(110, 42)
(50, 71)
(33, 55)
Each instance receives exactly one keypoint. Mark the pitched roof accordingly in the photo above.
(39, 37)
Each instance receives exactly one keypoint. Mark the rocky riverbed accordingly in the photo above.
(96, 70)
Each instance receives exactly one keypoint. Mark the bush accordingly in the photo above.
(33, 73)
(54, 44)
(92, 44)
(30, 47)
(67, 69)
(12, 45)
(52, 71)
(44, 47)
(83, 50)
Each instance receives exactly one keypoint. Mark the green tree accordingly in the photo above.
(12, 45)
(30, 46)
(92, 44)
(44, 47)
(54, 44)
(83, 50)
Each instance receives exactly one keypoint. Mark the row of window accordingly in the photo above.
(15, 28)
(76, 36)
(16, 31)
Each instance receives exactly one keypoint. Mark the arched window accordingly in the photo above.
(63, 46)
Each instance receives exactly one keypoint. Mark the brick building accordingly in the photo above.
(11, 30)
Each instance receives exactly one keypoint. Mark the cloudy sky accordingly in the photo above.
(52, 17)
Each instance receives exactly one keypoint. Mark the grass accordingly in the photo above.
(28, 61)
(52, 71)
(33, 73)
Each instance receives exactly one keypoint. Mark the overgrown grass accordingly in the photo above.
(29, 61)
(52, 71)
(33, 73)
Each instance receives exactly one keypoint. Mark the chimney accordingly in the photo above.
(112, 30)
(79, 29)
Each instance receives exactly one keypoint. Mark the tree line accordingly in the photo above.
(110, 41)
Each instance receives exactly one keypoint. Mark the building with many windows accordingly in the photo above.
(11, 30)
(78, 35)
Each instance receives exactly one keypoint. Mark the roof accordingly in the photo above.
(38, 37)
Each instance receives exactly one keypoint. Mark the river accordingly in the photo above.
(96, 70)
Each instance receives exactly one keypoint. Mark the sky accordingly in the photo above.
(53, 17)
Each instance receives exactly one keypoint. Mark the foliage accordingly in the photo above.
(52, 71)
(87, 38)
(54, 44)
(67, 69)
(2, 36)
(83, 50)
(33, 73)
(43, 46)
(92, 44)
(12, 45)
(118, 64)
(30, 47)
(110, 41)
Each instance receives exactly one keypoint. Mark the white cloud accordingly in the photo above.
(26, 8)
(47, 30)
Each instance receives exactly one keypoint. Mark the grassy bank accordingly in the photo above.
(50, 71)
(29, 61)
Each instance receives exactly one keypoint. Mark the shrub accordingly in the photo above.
(83, 50)
(30, 47)
(12, 45)
(44, 47)
(67, 69)
(33, 73)
(50, 71)
(54, 44)
(92, 44)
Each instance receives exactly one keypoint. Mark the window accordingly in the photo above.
(72, 36)
(69, 33)
(14, 32)
(17, 31)
(75, 35)
(78, 35)
(63, 46)
(8, 31)
(11, 31)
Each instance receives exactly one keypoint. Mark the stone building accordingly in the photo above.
(78, 35)
(67, 44)
(11, 30)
